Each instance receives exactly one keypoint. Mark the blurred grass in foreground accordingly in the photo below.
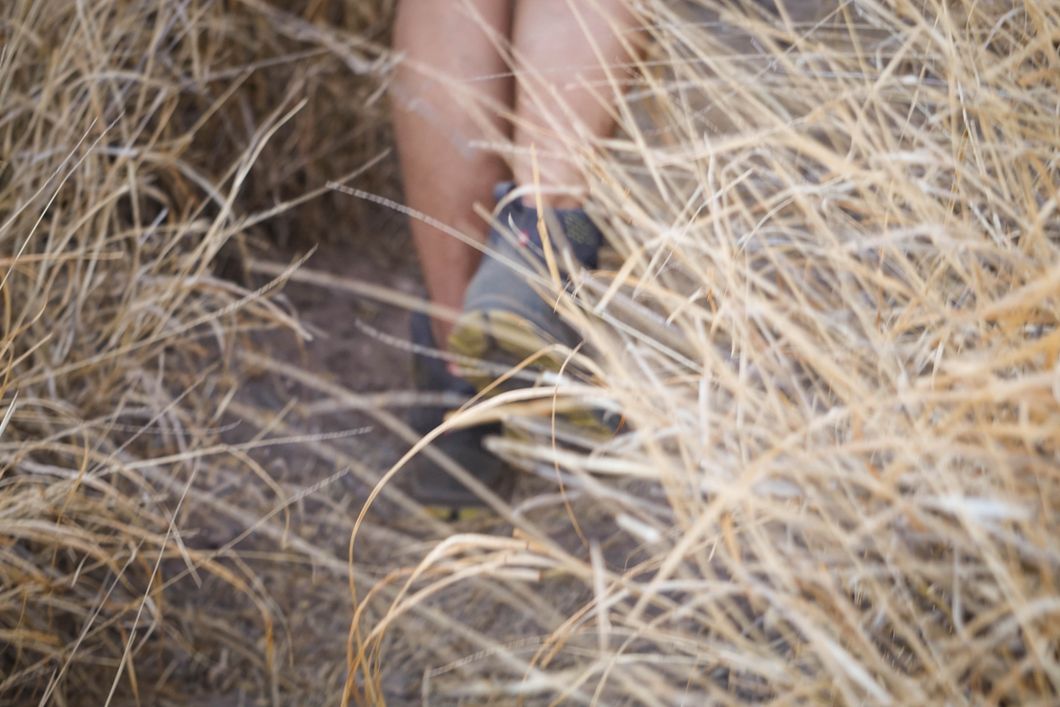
(830, 330)
(832, 335)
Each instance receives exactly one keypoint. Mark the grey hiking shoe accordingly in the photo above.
(504, 320)
(430, 484)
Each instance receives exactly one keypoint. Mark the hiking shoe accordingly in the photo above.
(504, 319)
(430, 484)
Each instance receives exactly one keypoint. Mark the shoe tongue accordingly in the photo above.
(577, 229)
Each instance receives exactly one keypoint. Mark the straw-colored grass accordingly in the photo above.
(833, 339)
(829, 328)
(134, 148)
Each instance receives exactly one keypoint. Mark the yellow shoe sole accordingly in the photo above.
(503, 339)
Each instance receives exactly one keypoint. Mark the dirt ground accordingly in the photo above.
(353, 346)
(357, 349)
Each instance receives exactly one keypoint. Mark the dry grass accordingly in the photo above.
(830, 330)
(129, 132)
(833, 337)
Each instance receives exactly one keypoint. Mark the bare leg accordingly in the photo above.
(562, 48)
(442, 103)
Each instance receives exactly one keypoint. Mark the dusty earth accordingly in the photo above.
(355, 357)
(355, 346)
(335, 397)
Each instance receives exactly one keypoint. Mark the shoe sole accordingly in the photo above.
(459, 514)
(505, 339)
(500, 338)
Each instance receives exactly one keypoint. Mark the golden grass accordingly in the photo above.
(833, 338)
(830, 331)
(128, 135)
